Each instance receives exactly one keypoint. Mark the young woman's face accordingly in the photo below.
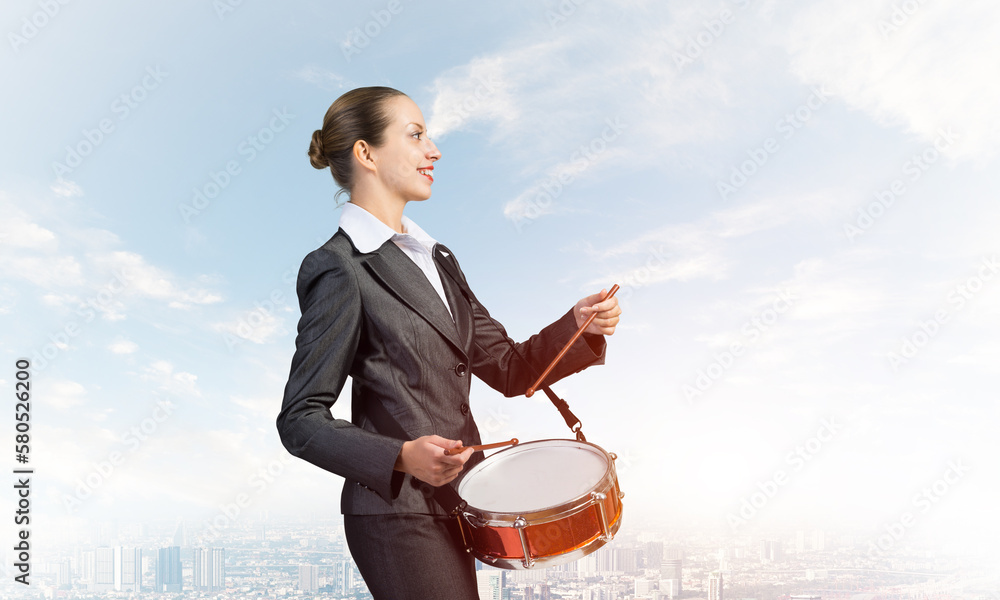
(405, 160)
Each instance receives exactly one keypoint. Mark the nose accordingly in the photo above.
(432, 150)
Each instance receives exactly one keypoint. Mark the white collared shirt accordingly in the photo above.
(368, 234)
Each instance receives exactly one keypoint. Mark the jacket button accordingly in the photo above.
(464, 408)
(461, 369)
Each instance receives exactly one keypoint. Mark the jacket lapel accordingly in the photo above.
(405, 279)
(453, 289)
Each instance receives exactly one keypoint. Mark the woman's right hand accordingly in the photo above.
(424, 458)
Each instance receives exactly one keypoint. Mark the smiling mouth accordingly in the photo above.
(427, 173)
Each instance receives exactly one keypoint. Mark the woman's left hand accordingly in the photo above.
(607, 313)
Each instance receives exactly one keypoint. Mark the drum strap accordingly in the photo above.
(447, 260)
(445, 495)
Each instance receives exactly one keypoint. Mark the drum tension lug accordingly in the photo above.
(521, 523)
(461, 529)
(598, 500)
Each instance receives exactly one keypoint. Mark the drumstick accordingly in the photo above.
(461, 449)
(565, 349)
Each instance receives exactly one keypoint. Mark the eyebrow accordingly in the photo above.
(417, 124)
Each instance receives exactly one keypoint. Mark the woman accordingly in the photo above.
(382, 302)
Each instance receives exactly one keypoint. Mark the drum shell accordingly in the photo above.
(555, 534)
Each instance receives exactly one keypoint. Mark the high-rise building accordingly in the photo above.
(63, 575)
(210, 569)
(128, 569)
(169, 570)
(819, 540)
(715, 586)
(670, 587)
(529, 593)
(104, 570)
(670, 573)
(644, 586)
(770, 551)
(308, 579)
(544, 593)
(653, 552)
(180, 536)
(343, 577)
(491, 583)
(626, 560)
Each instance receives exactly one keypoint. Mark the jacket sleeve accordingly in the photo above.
(328, 335)
(504, 369)
(510, 367)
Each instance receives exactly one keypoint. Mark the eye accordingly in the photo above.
(416, 134)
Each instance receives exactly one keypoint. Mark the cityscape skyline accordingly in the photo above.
(270, 557)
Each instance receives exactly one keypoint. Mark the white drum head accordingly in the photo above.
(534, 476)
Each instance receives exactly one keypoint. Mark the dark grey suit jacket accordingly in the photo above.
(374, 316)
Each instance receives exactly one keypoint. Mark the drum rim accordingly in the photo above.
(556, 511)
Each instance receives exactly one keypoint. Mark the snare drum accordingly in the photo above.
(540, 504)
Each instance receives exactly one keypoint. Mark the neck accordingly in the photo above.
(385, 208)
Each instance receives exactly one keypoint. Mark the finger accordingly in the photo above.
(606, 305)
(443, 442)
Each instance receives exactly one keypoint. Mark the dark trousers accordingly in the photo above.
(411, 557)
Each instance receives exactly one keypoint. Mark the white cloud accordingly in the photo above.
(123, 346)
(65, 188)
(323, 78)
(17, 231)
(706, 248)
(142, 279)
(479, 90)
(84, 260)
(181, 383)
(928, 69)
(256, 325)
(65, 394)
(44, 271)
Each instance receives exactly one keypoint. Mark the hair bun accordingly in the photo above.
(317, 156)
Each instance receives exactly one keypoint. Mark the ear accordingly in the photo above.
(365, 156)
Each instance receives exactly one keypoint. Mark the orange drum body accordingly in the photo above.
(540, 504)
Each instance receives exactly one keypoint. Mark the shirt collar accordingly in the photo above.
(368, 233)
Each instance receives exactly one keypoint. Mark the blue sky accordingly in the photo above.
(796, 199)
